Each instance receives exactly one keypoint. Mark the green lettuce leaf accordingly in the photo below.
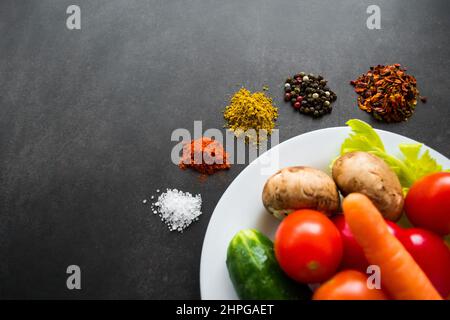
(411, 166)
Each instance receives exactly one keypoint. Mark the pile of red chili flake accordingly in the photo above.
(204, 155)
(387, 92)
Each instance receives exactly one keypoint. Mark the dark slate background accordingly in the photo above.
(86, 118)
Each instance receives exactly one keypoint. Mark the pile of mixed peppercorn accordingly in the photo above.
(309, 94)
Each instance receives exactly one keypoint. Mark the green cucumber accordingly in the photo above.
(255, 273)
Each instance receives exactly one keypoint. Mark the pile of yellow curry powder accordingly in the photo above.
(251, 115)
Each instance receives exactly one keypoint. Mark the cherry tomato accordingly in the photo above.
(395, 229)
(432, 255)
(427, 204)
(308, 246)
(353, 255)
(348, 285)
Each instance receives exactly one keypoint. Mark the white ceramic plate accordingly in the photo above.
(241, 206)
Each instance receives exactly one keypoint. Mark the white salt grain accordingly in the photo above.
(178, 209)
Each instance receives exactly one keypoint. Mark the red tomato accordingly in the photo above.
(432, 255)
(353, 255)
(308, 246)
(395, 229)
(427, 204)
(348, 285)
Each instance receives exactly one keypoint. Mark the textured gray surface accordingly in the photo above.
(86, 118)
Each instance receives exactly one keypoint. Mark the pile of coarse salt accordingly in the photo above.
(177, 209)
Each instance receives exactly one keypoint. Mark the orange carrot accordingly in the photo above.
(400, 274)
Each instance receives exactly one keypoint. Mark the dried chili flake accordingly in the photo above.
(204, 155)
(387, 92)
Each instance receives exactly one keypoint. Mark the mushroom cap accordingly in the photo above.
(299, 187)
(368, 174)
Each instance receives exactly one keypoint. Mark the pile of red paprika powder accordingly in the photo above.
(204, 155)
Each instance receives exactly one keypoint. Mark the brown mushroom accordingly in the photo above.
(367, 174)
(295, 188)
